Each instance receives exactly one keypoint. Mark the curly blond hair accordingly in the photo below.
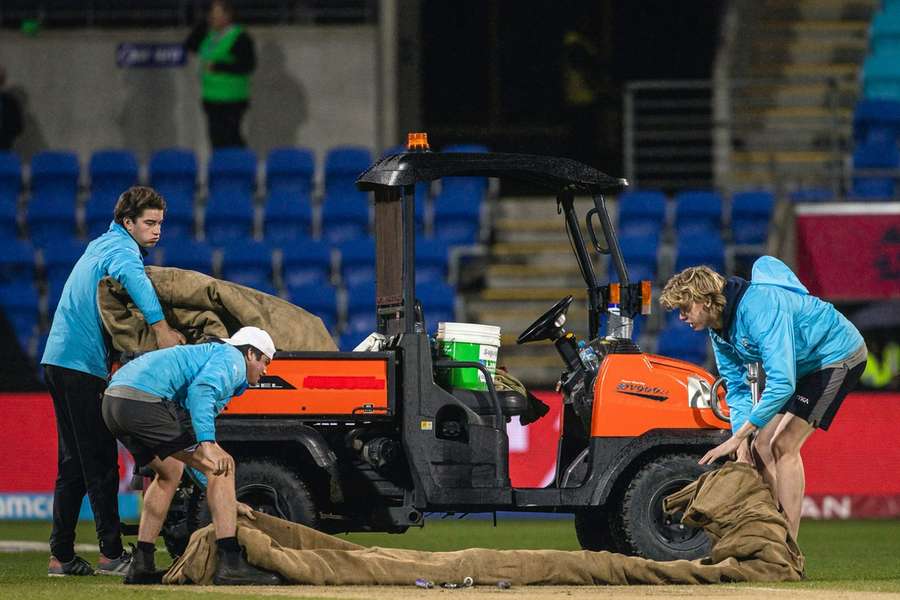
(694, 284)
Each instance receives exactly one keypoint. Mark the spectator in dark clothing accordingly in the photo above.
(227, 58)
(10, 115)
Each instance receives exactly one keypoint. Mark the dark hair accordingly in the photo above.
(135, 200)
(256, 351)
(225, 5)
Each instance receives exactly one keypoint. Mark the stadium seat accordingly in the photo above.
(179, 219)
(50, 216)
(357, 261)
(360, 318)
(457, 214)
(320, 300)
(9, 226)
(815, 194)
(60, 255)
(879, 155)
(432, 260)
(19, 301)
(16, 261)
(54, 292)
(10, 177)
(698, 212)
(248, 263)
(187, 254)
(229, 217)
(288, 216)
(677, 340)
(232, 170)
(881, 77)
(305, 262)
(640, 252)
(476, 186)
(173, 172)
(343, 164)
(112, 172)
(345, 210)
(55, 174)
(642, 212)
(290, 171)
(706, 249)
(438, 301)
(876, 120)
(750, 216)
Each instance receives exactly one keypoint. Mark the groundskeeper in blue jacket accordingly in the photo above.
(200, 378)
(76, 335)
(774, 320)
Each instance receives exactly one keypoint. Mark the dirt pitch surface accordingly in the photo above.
(643, 592)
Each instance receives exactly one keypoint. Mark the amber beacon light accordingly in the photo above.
(417, 141)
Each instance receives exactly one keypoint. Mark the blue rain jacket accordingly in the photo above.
(201, 378)
(792, 333)
(76, 335)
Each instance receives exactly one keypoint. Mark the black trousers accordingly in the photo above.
(87, 462)
(223, 119)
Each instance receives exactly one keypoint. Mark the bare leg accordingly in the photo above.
(158, 497)
(220, 495)
(762, 452)
(789, 438)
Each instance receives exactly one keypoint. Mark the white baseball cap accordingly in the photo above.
(255, 337)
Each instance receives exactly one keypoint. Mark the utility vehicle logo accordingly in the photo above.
(642, 390)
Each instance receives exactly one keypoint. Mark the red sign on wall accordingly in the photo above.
(849, 251)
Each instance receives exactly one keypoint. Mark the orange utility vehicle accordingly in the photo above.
(371, 441)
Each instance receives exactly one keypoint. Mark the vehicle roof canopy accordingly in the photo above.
(551, 173)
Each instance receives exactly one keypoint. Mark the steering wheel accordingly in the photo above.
(545, 327)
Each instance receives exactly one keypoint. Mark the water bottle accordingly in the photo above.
(588, 356)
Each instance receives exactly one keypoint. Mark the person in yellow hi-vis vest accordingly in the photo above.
(227, 58)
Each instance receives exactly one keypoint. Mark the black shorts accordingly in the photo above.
(818, 396)
(148, 429)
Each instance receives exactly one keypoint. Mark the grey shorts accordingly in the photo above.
(148, 429)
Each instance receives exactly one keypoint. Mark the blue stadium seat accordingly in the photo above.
(173, 172)
(290, 170)
(54, 292)
(19, 301)
(698, 212)
(357, 261)
(248, 263)
(457, 214)
(9, 226)
(345, 210)
(288, 216)
(351, 339)
(874, 155)
(884, 32)
(360, 318)
(681, 342)
(305, 262)
(55, 173)
(750, 216)
(229, 217)
(187, 254)
(815, 194)
(876, 120)
(179, 219)
(320, 300)
(50, 216)
(432, 260)
(642, 212)
(475, 186)
(112, 172)
(438, 301)
(881, 77)
(16, 261)
(232, 170)
(641, 257)
(706, 249)
(10, 177)
(99, 213)
(60, 255)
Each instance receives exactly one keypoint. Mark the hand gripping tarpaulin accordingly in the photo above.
(200, 306)
(748, 533)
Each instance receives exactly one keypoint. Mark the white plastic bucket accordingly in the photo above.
(469, 342)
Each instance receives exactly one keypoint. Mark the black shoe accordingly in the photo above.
(233, 569)
(142, 570)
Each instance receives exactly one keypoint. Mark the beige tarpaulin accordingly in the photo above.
(749, 535)
(200, 306)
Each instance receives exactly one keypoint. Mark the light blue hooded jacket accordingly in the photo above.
(76, 335)
(792, 333)
(201, 378)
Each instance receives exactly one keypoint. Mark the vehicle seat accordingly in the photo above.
(512, 403)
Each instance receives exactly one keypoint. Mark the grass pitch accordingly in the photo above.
(841, 556)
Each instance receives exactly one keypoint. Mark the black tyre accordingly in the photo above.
(639, 525)
(593, 530)
(272, 488)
